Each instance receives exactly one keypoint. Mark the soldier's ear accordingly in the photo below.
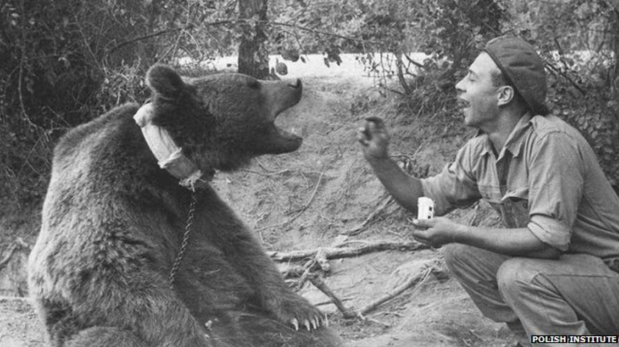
(505, 95)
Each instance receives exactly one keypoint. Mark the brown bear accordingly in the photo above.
(127, 256)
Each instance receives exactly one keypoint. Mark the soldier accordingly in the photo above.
(554, 268)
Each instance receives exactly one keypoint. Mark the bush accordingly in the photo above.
(63, 63)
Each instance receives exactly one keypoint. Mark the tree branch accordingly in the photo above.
(322, 286)
(413, 281)
(337, 252)
(432, 267)
(149, 36)
(564, 75)
(314, 31)
(236, 21)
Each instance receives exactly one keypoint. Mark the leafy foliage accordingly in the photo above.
(66, 61)
(53, 64)
(578, 38)
(580, 42)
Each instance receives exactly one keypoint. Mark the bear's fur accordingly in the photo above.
(113, 225)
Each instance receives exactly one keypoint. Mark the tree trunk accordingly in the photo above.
(253, 54)
(615, 45)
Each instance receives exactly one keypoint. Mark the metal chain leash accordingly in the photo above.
(181, 253)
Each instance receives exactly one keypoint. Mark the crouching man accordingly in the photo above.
(554, 268)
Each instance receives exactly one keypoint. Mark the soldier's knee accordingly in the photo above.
(457, 255)
(514, 275)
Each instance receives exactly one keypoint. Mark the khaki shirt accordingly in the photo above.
(546, 178)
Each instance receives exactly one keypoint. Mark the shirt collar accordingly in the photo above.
(515, 140)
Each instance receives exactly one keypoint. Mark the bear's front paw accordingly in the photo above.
(297, 312)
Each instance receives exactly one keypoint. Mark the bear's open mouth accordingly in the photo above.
(284, 141)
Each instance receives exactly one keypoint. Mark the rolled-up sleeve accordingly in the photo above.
(456, 185)
(550, 231)
(555, 188)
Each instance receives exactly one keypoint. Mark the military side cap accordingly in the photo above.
(523, 67)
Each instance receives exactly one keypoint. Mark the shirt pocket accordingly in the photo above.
(513, 208)
(490, 192)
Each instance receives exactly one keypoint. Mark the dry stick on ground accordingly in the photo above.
(319, 258)
(292, 270)
(308, 267)
(319, 262)
(414, 280)
(320, 284)
(348, 313)
(281, 172)
(322, 261)
(303, 272)
(338, 252)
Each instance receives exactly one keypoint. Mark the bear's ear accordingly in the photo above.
(164, 81)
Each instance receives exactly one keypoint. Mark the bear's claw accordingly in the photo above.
(295, 323)
(309, 324)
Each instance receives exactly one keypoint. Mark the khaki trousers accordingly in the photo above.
(576, 294)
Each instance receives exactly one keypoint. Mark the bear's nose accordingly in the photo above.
(296, 84)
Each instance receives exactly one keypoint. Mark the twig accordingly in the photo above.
(322, 286)
(7, 258)
(329, 302)
(19, 89)
(335, 252)
(321, 260)
(395, 91)
(237, 21)
(268, 173)
(357, 230)
(21, 243)
(308, 269)
(292, 271)
(303, 272)
(417, 279)
(411, 60)
(386, 325)
(314, 31)
(554, 69)
(264, 167)
(158, 33)
(348, 313)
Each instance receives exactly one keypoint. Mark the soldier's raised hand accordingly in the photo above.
(374, 139)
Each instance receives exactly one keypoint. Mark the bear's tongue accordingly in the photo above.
(281, 126)
(285, 133)
(288, 135)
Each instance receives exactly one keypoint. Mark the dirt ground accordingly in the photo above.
(311, 198)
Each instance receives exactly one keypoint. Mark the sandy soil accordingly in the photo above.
(308, 199)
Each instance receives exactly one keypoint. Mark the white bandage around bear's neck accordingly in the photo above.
(168, 154)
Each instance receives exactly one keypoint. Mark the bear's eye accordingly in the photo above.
(253, 84)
